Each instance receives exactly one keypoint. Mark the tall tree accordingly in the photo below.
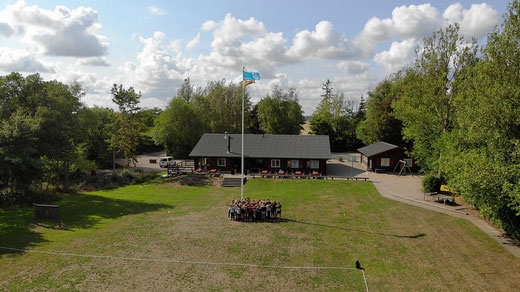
(482, 159)
(126, 129)
(334, 116)
(281, 113)
(380, 123)
(426, 100)
(19, 156)
(178, 128)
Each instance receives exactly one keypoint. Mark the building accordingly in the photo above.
(262, 152)
(384, 156)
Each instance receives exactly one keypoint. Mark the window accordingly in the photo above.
(408, 162)
(315, 164)
(221, 162)
(275, 163)
(205, 161)
(295, 164)
(385, 162)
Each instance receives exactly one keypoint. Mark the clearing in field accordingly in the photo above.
(325, 223)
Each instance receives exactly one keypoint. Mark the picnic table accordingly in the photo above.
(444, 198)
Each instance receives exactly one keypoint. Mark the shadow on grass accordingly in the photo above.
(17, 227)
(284, 220)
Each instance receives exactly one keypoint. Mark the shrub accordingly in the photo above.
(127, 175)
(340, 159)
(431, 183)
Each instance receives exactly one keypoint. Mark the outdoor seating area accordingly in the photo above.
(254, 210)
(210, 172)
(439, 197)
(290, 174)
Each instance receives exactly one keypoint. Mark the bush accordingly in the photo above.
(431, 183)
(127, 176)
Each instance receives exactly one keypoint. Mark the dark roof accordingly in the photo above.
(377, 148)
(264, 146)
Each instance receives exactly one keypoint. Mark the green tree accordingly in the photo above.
(178, 128)
(425, 104)
(281, 113)
(92, 123)
(482, 158)
(19, 156)
(380, 123)
(127, 129)
(335, 116)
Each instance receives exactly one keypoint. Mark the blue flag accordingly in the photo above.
(251, 75)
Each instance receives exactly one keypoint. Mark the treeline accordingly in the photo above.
(458, 106)
(48, 137)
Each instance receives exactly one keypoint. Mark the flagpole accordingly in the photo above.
(242, 155)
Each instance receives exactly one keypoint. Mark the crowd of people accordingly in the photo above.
(248, 209)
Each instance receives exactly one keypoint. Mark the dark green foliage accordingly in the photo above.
(178, 128)
(483, 152)
(280, 113)
(431, 183)
(380, 123)
(336, 118)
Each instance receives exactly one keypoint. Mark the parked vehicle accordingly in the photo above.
(166, 162)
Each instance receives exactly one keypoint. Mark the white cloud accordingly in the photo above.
(322, 43)
(21, 61)
(398, 56)
(155, 72)
(193, 43)
(209, 25)
(416, 21)
(375, 30)
(155, 10)
(353, 67)
(58, 32)
(474, 22)
(93, 61)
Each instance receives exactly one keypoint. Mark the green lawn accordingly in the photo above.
(327, 223)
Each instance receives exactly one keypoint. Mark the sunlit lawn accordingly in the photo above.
(326, 223)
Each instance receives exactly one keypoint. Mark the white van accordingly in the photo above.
(166, 161)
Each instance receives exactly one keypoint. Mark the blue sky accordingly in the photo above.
(154, 45)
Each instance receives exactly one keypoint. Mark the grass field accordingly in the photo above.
(327, 223)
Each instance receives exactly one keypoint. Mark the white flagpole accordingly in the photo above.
(242, 155)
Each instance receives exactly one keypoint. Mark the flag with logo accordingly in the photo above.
(251, 75)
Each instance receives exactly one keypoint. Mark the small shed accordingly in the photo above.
(382, 156)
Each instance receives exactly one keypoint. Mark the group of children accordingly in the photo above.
(248, 209)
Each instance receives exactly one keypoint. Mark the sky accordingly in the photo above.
(154, 45)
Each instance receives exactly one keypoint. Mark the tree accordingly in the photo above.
(281, 113)
(425, 102)
(380, 123)
(126, 129)
(335, 116)
(19, 156)
(482, 158)
(92, 123)
(178, 128)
